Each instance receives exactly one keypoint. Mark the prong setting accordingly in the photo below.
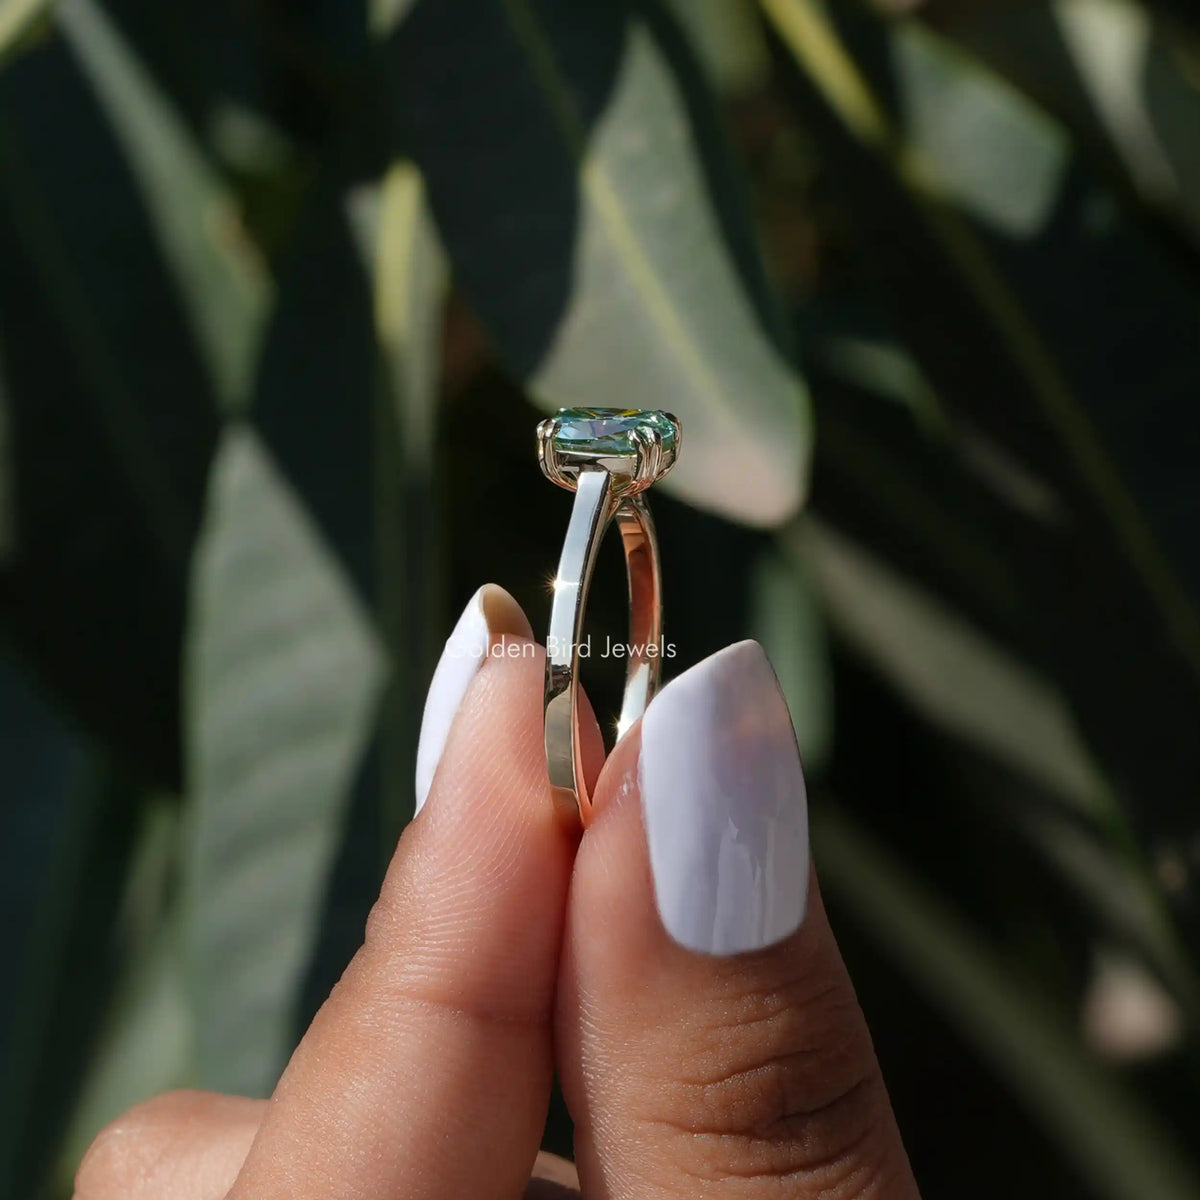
(649, 458)
(548, 454)
(635, 447)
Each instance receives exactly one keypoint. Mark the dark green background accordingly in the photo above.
(986, 617)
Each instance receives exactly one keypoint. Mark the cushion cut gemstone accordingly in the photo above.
(609, 431)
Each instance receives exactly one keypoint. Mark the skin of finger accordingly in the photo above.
(191, 1145)
(427, 1072)
(591, 743)
(686, 1074)
(186, 1145)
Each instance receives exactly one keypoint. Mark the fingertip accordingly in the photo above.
(616, 780)
(488, 627)
(448, 1003)
(504, 616)
(591, 742)
(702, 987)
(725, 806)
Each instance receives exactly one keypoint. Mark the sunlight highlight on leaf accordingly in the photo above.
(384, 15)
(16, 18)
(852, 101)
(729, 40)
(1110, 42)
(411, 280)
(614, 262)
(952, 672)
(649, 264)
(788, 621)
(283, 674)
(986, 146)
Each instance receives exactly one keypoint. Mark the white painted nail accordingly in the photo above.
(724, 803)
(490, 615)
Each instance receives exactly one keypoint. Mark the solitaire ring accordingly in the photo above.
(608, 457)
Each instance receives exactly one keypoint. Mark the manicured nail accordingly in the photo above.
(490, 615)
(724, 803)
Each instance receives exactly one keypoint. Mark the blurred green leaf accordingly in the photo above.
(950, 671)
(1111, 43)
(962, 682)
(728, 40)
(145, 1045)
(947, 106)
(911, 495)
(68, 819)
(1124, 893)
(222, 284)
(788, 621)
(613, 262)
(7, 516)
(1122, 79)
(992, 154)
(1115, 1141)
(283, 671)
(17, 17)
(940, 607)
(1037, 337)
(1146, 94)
(45, 765)
(321, 343)
(106, 477)
(384, 15)
(882, 367)
(996, 598)
(411, 285)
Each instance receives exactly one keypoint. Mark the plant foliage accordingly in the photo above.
(283, 288)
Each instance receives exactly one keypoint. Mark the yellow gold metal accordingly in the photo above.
(607, 488)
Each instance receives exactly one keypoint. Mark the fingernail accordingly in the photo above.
(491, 614)
(725, 808)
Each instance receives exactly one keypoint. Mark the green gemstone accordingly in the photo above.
(610, 431)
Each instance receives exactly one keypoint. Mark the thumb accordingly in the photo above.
(710, 1041)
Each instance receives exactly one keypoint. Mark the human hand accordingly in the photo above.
(674, 964)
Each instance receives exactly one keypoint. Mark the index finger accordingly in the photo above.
(427, 1072)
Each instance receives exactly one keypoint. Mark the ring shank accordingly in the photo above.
(595, 507)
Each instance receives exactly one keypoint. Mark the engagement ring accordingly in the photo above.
(608, 457)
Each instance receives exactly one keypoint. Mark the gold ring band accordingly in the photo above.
(608, 457)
